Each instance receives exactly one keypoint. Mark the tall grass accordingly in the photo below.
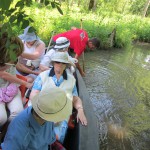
(128, 28)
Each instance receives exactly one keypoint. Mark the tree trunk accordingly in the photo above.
(95, 5)
(71, 3)
(79, 1)
(146, 8)
(91, 4)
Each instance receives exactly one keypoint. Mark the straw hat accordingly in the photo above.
(28, 35)
(62, 57)
(61, 43)
(52, 105)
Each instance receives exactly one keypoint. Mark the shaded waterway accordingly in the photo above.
(118, 82)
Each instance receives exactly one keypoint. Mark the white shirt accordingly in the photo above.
(46, 61)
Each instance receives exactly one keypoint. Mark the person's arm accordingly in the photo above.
(33, 93)
(43, 68)
(37, 86)
(79, 67)
(45, 62)
(77, 103)
(13, 140)
(13, 79)
(38, 52)
(11, 143)
(20, 67)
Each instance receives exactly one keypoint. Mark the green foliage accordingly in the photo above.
(5, 4)
(143, 34)
(138, 6)
(47, 16)
(14, 17)
(12, 14)
(128, 27)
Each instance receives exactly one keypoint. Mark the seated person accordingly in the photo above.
(34, 50)
(59, 77)
(10, 96)
(33, 128)
(61, 45)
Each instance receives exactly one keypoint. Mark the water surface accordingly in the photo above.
(118, 81)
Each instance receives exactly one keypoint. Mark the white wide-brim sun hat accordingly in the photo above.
(63, 58)
(61, 43)
(28, 36)
(52, 105)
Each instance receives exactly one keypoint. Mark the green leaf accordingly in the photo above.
(12, 10)
(25, 23)
(2, 18)
(58, 4)
(12, 55)
(46, 2)
(31, 29)
(13, 46)
(28, 3)
(12, 19)
(53, 4)
(7, 44)
(31, 20)
(19, 4)
(5, 4)
(19, 18)
(59, 9)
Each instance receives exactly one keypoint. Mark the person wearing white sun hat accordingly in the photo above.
(79, 41)
(34, 50)
(62, 44)
(33, 128)
(59, 77)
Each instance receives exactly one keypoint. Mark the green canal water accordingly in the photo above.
(118, 82)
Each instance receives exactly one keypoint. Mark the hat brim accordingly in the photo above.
(62, 61)
(54, 117)
(28, 38)
(62, 46)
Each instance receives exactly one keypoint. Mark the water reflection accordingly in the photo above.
(119, 89)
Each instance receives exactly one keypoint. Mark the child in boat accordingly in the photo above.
(34, 50)
(10, 96)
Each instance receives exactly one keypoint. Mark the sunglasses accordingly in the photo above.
(60, 62)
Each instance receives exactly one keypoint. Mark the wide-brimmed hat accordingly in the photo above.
(61, 43)
(28, 35)
(52, 105)
(62, 57)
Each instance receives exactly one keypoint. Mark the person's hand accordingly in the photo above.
(36, 72)
(81, 117)
(29, 85)
(73, 60)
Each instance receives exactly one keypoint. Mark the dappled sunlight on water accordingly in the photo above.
(119, 89)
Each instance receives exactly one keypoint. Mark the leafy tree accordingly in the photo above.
(12, 15)
(12, 12)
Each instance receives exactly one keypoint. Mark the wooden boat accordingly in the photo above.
(81, 137)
